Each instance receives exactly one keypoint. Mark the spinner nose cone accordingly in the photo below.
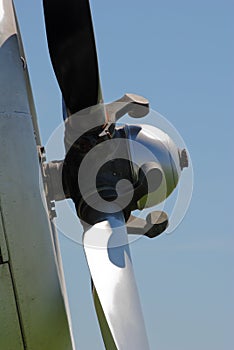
(158, 146)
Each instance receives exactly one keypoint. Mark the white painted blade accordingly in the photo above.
(108, 256)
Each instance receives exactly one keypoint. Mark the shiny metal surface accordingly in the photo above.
(108, 256)
(147, 144)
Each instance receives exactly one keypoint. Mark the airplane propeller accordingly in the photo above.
(95, 144)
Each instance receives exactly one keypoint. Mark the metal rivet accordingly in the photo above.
(24, 62)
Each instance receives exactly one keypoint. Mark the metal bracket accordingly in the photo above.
(53, 172)
(46, 182)
(154, 224)
(133, 105)
(136, 106)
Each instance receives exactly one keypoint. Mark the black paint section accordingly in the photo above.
(73, 53)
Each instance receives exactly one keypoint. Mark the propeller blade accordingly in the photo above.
(119, 311)
(73, 52)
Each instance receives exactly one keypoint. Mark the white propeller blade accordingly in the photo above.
(108, 256)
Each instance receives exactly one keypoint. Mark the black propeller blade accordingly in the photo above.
(73, 53)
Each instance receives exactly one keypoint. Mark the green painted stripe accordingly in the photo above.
(105, 330)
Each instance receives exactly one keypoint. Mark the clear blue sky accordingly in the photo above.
(180, 55)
